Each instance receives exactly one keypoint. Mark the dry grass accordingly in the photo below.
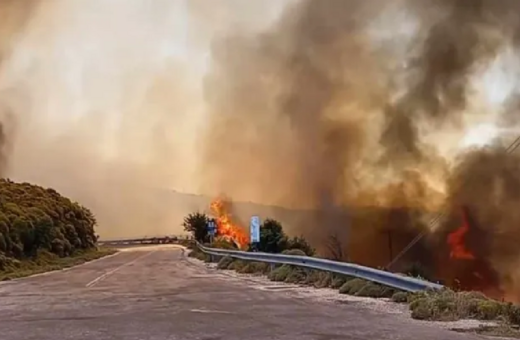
(502, 331)
(45, 262)
(447, 305)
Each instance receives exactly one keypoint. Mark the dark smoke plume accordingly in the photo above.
(319, 111)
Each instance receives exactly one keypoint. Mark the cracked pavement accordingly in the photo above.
(155, 293)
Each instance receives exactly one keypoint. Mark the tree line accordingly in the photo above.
(33, 218)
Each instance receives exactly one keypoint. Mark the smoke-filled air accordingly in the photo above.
(374, 115)
(368, 105)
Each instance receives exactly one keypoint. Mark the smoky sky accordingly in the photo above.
(325, 109)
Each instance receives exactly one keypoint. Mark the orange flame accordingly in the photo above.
(456, 241)
(225, 225)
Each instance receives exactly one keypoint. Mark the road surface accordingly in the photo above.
(157, 294)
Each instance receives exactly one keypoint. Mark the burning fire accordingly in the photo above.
(456, 241)
(472, 271)
(225, 226)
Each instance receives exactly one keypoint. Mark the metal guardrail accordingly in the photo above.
(397, 281)
(144, 240)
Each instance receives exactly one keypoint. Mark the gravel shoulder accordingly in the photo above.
(329, 295)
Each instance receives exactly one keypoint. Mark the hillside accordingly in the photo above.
(39, 225)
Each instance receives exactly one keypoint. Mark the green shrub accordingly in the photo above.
(400, 297)
(387, 292)
(274, 240)
(199, 255)
(339, 280)
(312, 277)
(371, 289)
(447, 305)
(489, 310)
(296, 275)
(280, 274)
(415, 296)
(325, 280)
(352, 287)
(300, 243)
(34, 219)
(512, 313)
(421, 311)
(237, 265)
(260, 267)
(296, 252)
(225, 262)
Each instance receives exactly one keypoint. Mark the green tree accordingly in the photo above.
(196, 225)
(302, 244)
(272, 237)
(33, 218)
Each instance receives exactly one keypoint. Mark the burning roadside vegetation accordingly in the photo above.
(454, 252)
(459, 258)
(347, 114)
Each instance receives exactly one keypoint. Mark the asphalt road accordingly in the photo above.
(156, 294)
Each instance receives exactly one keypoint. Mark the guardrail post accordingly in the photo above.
(272, 266)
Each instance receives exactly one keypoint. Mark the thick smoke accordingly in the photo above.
(350, 108)
(347, 103)
(105, 116)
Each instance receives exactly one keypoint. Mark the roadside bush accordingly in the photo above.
(339, 280)
(417, 270)
(400, 297)
(362, 288)
(222, 243)
(8, 263)
(224, 262)
(422, 310)
(300, 243)
(274, 240)
(352, 287)
(318, 278)
(489, 310)
(280, 274)
(296, 275)
(260, 267)
(512, 313)
(199, 255)
(33, 218)
(296, 252)
(237, 265)
(447, 305)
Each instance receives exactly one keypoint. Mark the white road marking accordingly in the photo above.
(151, 247)
(101, 277)
(59, 270)
(209, 311)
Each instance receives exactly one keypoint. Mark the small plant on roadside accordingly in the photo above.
(339, 280)
(400, 297)
(224, 262)
(280, 274)
(352, 287)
